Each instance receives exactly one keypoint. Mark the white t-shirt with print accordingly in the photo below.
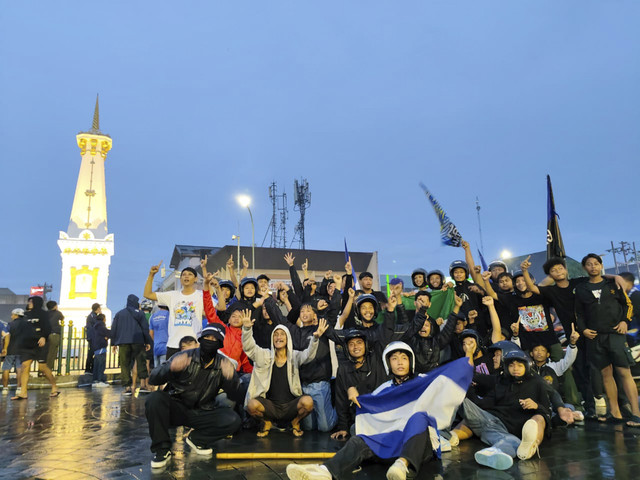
(185, 314)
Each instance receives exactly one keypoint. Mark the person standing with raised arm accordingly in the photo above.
(185, 306)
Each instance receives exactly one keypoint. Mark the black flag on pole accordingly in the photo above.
(555, 246)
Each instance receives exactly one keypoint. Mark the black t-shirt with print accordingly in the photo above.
(536, 325)
(563, 301)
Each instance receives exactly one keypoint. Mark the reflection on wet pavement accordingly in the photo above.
(87, 434)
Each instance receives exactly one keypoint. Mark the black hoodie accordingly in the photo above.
(38, 318)
(130, 325)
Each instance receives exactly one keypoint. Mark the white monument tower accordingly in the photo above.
(86, 247)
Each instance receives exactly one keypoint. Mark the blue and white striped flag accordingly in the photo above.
(449, 233)
(391, 415)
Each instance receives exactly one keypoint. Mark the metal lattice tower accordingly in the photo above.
(301, 203)
(279, 208)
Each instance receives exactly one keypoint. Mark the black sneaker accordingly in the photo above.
(199, 449)
(161, 458)
(127, 392)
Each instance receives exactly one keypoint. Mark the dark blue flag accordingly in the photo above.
(448, 232)
(555, 245)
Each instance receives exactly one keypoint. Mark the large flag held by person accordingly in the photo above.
(390, 416)
(448, 232)
(555, 246)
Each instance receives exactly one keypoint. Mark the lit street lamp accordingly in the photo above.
(245, 201)
(505, 254)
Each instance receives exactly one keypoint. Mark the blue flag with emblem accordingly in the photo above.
(448, 232)
(391, 415)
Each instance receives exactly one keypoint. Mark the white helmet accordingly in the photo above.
(395, 347)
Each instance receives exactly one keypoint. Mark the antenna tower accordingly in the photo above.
(278, 229)
(301, 203)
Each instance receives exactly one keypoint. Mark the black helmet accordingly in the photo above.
(520, 356)
(458, 264)
(418, 271)
(435, 272)
(498, 263)
(350, 335)
(367, 297)
(505, 346)
(229, 284)
(469, 332)
(246, 281)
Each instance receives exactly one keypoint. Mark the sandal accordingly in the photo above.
(264, 431)
(54, 394)
(633, 422)
(297, 431)
(18, 397)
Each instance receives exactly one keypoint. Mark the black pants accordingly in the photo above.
(88, 366)
(127, 354)
(582, 373)
(416, 450)
(164, 412)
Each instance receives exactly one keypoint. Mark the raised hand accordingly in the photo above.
(289, 258)
(439, 321)
(328, 274)
(305, 265)
(392, 303)
(322, 327)
(203, 263)
(247, 321)
(322, 304)
(245, 263)
(352, 293)
(337, 279)
(488, 301)
(573, 339)
(348, 268)
(464, 244)
(457, 303)
(230, 263)
(515, 328)
(526, 264)
(486, 276)
(153, 270)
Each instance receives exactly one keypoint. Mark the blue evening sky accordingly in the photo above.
(207, 99)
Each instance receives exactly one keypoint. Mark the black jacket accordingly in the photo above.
(196, 386)
(39, 319)
(101, 335)
(366, 379)
(503, 401)
(130, 326)
(427, 349)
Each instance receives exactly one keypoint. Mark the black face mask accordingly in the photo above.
(208, 349)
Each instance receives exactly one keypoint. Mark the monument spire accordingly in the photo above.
(95, 127)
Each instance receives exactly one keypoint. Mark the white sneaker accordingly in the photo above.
(204, 451)
(100, 385)
(397, 471)
(529, 444)
(454, 440)
(5, 391)
(296, 471)
(494, 458)
(160, 459)
(445, 445)
(18, 390)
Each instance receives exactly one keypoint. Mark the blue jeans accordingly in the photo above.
(99, 365)
(489, 428)
(159, 360)
(324, 416)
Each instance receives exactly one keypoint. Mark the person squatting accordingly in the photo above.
(264, 360)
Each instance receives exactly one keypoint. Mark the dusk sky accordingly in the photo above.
(205, 100)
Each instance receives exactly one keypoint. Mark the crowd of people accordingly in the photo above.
(257, 354)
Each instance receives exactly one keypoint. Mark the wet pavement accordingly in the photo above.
(86, 434)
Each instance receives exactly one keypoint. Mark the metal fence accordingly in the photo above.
(72, 352)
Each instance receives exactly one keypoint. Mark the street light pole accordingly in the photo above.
(245, 201)
(253, 245)
(237, 237)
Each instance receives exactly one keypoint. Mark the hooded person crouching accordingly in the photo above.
(275, 392)
(193, 377)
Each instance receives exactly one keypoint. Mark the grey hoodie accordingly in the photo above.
(264, 358)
